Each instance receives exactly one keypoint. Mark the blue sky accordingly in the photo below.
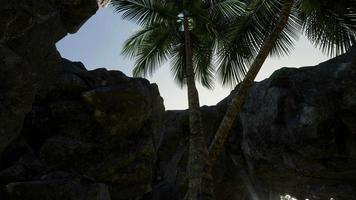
(99, 42)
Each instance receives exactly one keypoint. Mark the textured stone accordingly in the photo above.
(300, 124)
(29, 61)
(58, 190)
(100, 124)
(296, 135)
(70, 133)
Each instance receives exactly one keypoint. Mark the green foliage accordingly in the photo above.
(160, 37)
(244, 35)
(332, 32)
(226, 35)
(328, 26)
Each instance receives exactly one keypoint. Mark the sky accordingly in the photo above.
(98, 44)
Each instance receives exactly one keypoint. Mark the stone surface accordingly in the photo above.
(58, 190)
(98, 125)
(29, 60)
(70, 133)
(94, 125)
(296, 135)
(301, 123)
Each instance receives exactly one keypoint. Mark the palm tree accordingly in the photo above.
(186, 32)
(330, 30)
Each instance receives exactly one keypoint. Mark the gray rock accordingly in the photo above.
(102, 125)
(98, 123)
(16, 95)
(300, 124)
(13, 173)
(58, 190)
(296, 135)
(66, 131)
(29, 61)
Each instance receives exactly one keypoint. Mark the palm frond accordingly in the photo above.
(232, 67)
(178, 65)
(145, 12)
(326, 29)
(132, 45)
(150, 48)
(242, 38)
(290, 34)
(203, 46)
(227, 8)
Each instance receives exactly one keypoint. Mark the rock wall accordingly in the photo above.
(91, 135)
(296, 135)
(299, 130)
(69, 133)
(29, 60)
(65, 132)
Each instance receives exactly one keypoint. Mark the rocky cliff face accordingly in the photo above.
(91, 134)
(295, 135)
(65, 133)
(28, 56)
(69, 133)
(299, 130)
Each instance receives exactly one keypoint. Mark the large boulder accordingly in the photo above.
(98, 125)
(299, 131)
(29, 61)
(58, 117)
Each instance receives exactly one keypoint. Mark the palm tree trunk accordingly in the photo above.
(198, 152)
(233, 110)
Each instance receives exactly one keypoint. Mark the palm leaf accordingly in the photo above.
(132, 45)
(242, 38)
(203, 50)
(145, 12)
(286, 40)
(150, 47)
(178, 64)
(227, 8)
(333, 33)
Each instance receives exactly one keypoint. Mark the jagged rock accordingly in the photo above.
(173, 153)
(29, 61)
(74, 13)
(300, 123)
(100, 124)
(296, 135)
(57, 190)
(13, 173)
(65, 131)
(15, 95)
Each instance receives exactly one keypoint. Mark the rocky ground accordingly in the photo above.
(70, 133)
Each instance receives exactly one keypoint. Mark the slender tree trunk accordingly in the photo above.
(198, 152)
(233, 110)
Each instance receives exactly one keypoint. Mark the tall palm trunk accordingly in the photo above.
(198, 152)
(233, 110)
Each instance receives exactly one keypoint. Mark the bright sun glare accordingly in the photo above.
(290, 197)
